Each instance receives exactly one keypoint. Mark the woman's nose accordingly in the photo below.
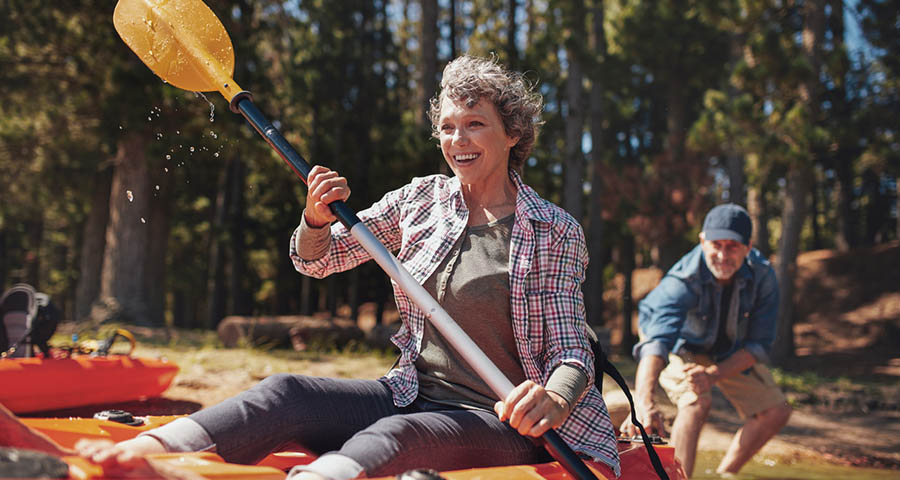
(459, 137)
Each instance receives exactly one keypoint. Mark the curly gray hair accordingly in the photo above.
(471, 79)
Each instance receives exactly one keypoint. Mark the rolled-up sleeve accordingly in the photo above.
(564, 312)
(763, 318)
(342, 252)
(661, 316)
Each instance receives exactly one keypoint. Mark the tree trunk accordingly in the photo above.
(845, 236)
(159, 223)
(628, 337)
(92, 245)
(122, 283)
(573, 187)
(453, 39)
(4, 254)
(815, 209)
(736, 183)
(429, 37)
(793, 217)
(511, 30)
(756, 207)
(734, 161)
(215, 294)
(242, 303)
(593, 286)
(34, 235)
(799, 184)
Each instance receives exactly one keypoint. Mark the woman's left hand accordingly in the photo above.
(532, 410)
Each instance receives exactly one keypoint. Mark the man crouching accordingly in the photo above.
(711, 322)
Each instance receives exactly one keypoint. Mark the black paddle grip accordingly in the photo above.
(243, 104)
(566, 457)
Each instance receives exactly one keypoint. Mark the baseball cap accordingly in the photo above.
(728, 221)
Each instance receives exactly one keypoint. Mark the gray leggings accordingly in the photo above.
(358, 419)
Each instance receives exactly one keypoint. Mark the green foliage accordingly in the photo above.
(340, 81)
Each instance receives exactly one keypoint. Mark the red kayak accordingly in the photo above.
(66, 431)
(42, 384)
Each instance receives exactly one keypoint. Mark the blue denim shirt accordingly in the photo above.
(683, 310)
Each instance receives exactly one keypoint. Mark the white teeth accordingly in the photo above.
(468, 156)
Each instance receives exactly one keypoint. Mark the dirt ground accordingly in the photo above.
(847, 343)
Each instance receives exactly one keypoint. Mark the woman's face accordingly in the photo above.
(474, 142)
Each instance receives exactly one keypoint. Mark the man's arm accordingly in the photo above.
(648, 413)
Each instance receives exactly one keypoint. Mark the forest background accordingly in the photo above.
(127, 199)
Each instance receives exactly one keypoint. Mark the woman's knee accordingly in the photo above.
(282, 383)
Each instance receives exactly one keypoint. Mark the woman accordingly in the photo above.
(504, 263)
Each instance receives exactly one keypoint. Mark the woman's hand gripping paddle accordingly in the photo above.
(185, 44)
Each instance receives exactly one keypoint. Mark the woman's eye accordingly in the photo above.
(475, 123)
(446, 128)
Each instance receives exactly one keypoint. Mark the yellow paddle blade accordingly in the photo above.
(182, 41)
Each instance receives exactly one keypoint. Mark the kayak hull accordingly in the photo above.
(40, 384)
(67, 431)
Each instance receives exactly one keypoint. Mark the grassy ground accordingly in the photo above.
(844, 420)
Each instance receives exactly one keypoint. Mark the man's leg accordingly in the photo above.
(762, 406)
(686, 431)
(757, 430)
(693, 408)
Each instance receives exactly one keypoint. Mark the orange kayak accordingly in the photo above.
(66, 431)
(41, 384)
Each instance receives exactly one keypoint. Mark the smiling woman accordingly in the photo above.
(503, 262)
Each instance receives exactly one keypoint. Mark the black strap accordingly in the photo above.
(601, 366)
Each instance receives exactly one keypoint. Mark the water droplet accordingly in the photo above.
(166, 169)
(192, 149)
(157, 188)
(120, 127)
(129, 195)
(149, 119)
(177, 132)
(216, 154)
(168, 157)
(213, 134)
(142, 220)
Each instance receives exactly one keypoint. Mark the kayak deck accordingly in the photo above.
(67, 431)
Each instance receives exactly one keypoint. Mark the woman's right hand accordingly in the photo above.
(324, 186)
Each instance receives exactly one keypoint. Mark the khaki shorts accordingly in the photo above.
(750, 392)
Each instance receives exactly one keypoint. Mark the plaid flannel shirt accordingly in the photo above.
(547, 261)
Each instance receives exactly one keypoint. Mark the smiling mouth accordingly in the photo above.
(465, 158)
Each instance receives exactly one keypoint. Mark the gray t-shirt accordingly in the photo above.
(472, 284)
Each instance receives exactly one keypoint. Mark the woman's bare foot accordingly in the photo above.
(18, 435)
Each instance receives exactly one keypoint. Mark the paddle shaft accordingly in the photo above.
(496, 380)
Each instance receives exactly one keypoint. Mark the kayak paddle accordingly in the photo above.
(185, 44)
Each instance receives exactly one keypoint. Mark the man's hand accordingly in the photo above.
(650, 417)
(701, 378)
